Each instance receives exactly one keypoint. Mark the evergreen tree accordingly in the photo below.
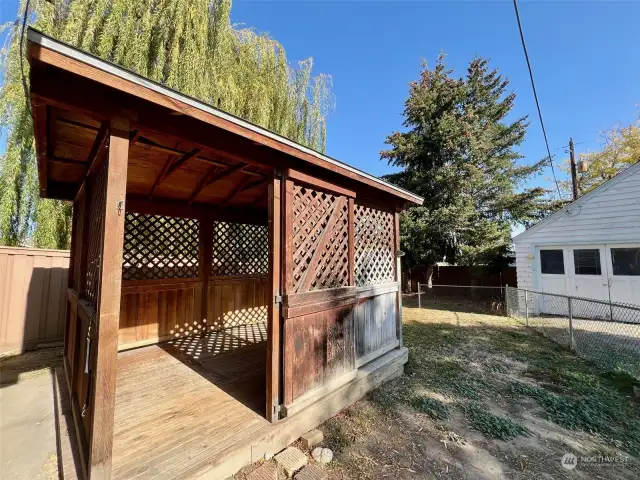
(459, 153)
(188, 45)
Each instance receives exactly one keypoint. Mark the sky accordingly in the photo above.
(585, 58)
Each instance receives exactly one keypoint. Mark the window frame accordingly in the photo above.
(598, 264)
(547, 249)
(613, 267)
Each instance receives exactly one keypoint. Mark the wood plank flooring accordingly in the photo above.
(180, 403)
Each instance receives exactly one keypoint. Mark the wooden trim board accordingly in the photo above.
(374, 290)
(378, 353)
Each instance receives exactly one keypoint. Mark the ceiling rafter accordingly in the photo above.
(139, 138)
(213, 176)
(241, 187)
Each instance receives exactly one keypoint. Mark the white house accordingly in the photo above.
(590, 248)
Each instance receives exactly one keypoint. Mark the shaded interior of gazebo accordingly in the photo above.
(222, 279)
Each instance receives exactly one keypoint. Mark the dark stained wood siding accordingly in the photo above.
(319, 299)
(320, 347)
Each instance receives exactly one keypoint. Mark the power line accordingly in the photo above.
(535, 95)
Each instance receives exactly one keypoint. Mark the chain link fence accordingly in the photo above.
(469, 298)
(604, 332)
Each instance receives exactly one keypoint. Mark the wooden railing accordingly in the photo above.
(33, 287)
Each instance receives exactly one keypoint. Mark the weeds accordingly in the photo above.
(597, 412)
(432, 407)
(491, 425)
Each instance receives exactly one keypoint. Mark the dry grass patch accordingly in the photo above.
(484, 397)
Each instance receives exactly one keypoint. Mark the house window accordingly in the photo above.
(626, 261)
(587, 261)
(552, 261)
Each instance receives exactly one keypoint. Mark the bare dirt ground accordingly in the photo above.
(484, 397)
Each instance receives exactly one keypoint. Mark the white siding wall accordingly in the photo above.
(611, 215)
(525, 265)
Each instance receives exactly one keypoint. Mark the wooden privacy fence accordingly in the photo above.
(464, 276)
(33, 289)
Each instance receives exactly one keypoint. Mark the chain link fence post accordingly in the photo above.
(572, 345)
(506, 299)
(419, 296)
(526, 308)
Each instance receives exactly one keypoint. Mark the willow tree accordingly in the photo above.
(188, 45)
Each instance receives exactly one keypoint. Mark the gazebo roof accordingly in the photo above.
(182, 150)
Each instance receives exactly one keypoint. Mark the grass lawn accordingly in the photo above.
(484, 397)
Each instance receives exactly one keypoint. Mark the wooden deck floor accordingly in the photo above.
(180, 403)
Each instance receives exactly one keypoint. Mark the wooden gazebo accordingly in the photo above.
(229, 289)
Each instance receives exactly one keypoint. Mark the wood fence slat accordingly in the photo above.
(32, 303)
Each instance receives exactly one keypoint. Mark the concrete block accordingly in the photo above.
(311, 472)
(291, 460)
(266, 471)
(312, 438)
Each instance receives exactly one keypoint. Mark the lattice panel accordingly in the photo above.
(320, 240)
(239, 249)
(374, 246)
(158, 247)
(96, 203)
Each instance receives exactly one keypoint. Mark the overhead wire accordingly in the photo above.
(535, 95)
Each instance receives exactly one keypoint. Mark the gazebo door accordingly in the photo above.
(319, 291)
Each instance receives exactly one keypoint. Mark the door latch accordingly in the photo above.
(278, 299)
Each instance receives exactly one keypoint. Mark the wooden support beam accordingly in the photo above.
(133, 138)
(172, 209)
(205, 254)
(213, 176)
(287, 235)
(171, 166)
(300, 177)
(108, 308)
(274, 316)
(139, 138)
(241, 187)
(162, 176)
(39, 113)
(98, 147)
(51, 131)
(181, 161)
(396, 218)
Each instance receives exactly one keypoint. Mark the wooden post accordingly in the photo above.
(398, 277)
(68, 341)
(396, 217)
(274, 319)
(286, 282)
(205, 246)
(108, 307)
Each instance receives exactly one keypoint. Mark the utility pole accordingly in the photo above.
(574, 175)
